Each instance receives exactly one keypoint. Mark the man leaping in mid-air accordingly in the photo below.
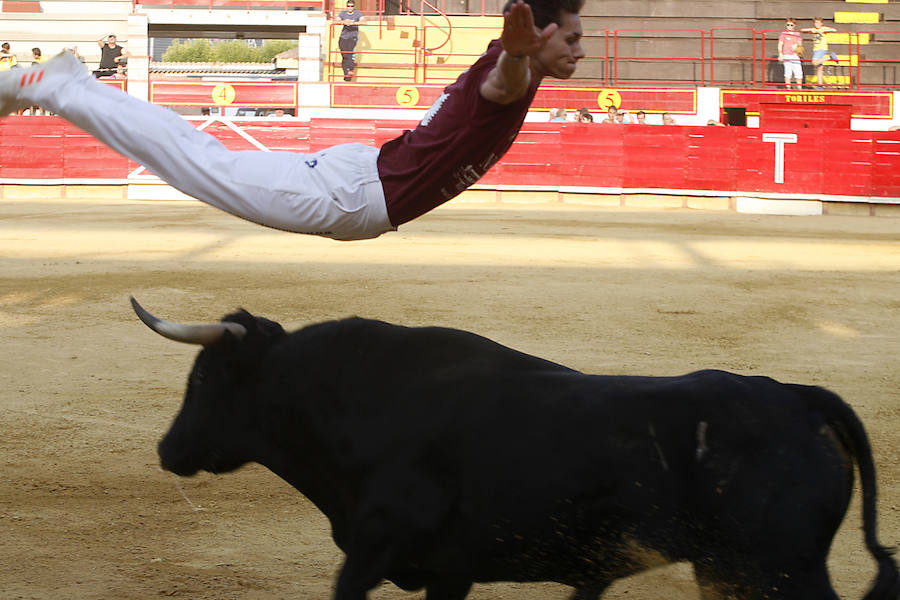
(349, 191)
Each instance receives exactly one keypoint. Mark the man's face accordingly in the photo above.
(111, 40)
(562, 51)
(817, 23)
(641, 117)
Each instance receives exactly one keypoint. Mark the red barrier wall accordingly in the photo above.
(824, 162)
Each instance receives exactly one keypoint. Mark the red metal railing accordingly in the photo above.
(692, 59)
(721, 57)
(748, 56)
(713, 56)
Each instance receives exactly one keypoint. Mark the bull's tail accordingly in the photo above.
(844, 420)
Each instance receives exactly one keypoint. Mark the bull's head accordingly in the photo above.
(214, 430)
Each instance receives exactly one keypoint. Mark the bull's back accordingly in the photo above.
(555, 458)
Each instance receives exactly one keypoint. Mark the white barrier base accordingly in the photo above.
(765, 206)
(155, 191)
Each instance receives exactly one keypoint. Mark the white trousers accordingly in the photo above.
(334, 193)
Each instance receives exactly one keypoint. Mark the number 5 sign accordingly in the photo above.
(607, 98)
(407, 96)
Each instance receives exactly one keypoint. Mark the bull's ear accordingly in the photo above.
(205, 335)
(257, 327)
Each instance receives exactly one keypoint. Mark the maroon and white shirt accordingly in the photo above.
(458, 140)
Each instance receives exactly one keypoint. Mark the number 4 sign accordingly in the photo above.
(223, 94)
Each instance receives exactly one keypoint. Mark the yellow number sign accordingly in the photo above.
(607, 98)
(223, 93)
(407, 95)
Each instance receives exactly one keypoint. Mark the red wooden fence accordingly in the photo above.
(826, 162)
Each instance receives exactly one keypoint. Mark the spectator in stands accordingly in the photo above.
(714, 123)
(121, 72)
(349, 191)
(790, 50)
(74, 50)
(623, 118)
(278, 113)
(350, 18)
(611, 113)
(36, 58)
(583, 115)
(894, 128)
(668, 119)
(641, 117)
(111, 54)
(558, 116)
(820, 48)
(7, 58)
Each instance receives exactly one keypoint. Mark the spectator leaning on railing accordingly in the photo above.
(349, 38)
(111, 54)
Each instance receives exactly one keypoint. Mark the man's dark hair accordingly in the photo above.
(549, 11)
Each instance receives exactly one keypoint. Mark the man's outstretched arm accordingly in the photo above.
(509, 79)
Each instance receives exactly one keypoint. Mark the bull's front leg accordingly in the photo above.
(369, 556)
(448, 590)
(584, 593)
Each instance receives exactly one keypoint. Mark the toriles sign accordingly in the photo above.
(866, 105)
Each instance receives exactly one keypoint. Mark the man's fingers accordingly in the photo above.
(548, 31)
(519, 15)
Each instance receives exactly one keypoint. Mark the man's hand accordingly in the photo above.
(509, 79)
(520, 37)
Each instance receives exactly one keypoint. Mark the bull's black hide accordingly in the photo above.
(442, 458)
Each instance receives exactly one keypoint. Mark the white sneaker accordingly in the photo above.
(14, 83)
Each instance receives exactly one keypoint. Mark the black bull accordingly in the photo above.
(442, 458)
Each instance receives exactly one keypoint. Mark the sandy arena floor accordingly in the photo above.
(86, 390)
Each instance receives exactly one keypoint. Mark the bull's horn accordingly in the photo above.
(189, 334)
